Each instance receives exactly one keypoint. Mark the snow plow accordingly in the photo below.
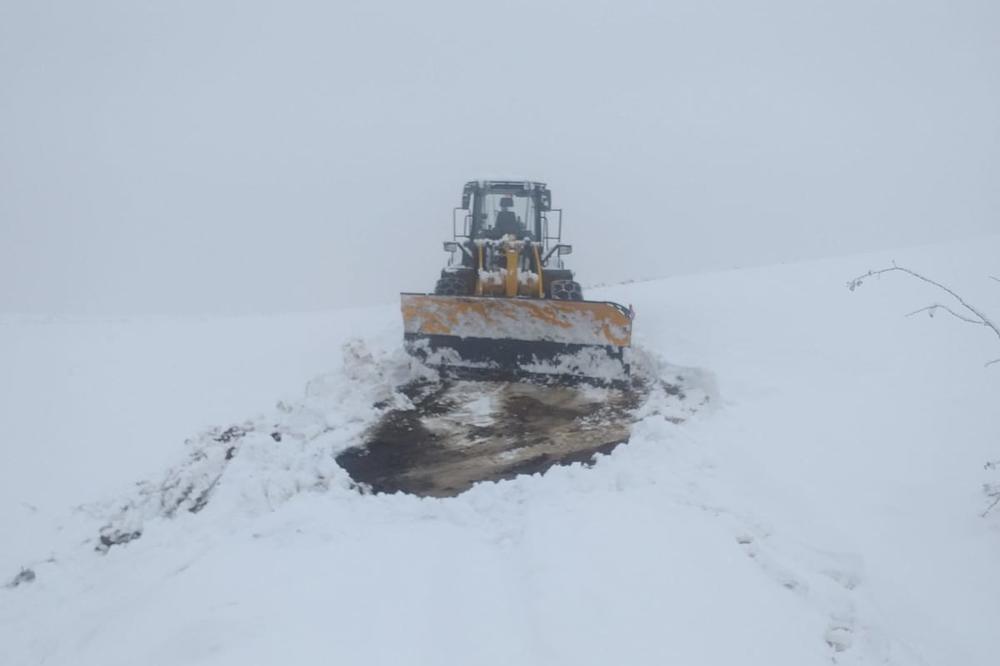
(505, 306)
(528, 374)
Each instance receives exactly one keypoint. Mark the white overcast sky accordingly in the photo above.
(204, 156)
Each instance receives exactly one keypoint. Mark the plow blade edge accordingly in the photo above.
(511, 337)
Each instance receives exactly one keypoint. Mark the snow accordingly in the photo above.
(823, 506)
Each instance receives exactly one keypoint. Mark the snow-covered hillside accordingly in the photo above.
(823, 508)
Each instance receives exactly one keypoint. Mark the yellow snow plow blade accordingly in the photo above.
(507, 337)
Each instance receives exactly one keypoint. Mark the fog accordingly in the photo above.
(229, 157)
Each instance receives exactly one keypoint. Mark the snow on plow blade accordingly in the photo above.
(514, 337)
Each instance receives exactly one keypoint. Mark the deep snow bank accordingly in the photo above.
(827, 508)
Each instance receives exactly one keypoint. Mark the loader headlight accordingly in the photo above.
(450, 246)
(565, 249)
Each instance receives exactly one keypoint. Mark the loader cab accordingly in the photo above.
(499, 213)
(494, 209)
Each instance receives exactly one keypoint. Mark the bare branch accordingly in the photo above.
(992, 490)
(935, 306)
(970, 316)
(977, 316)
(991, 506)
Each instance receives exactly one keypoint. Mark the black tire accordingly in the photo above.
(451, 286)
(466, 276)
(565, 290)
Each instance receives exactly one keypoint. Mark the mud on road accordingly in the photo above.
(458, 433)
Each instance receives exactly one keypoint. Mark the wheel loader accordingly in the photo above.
(505, 306)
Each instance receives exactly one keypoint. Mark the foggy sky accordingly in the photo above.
(219, 157)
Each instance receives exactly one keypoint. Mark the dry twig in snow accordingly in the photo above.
(971, 315)
(975, 316)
